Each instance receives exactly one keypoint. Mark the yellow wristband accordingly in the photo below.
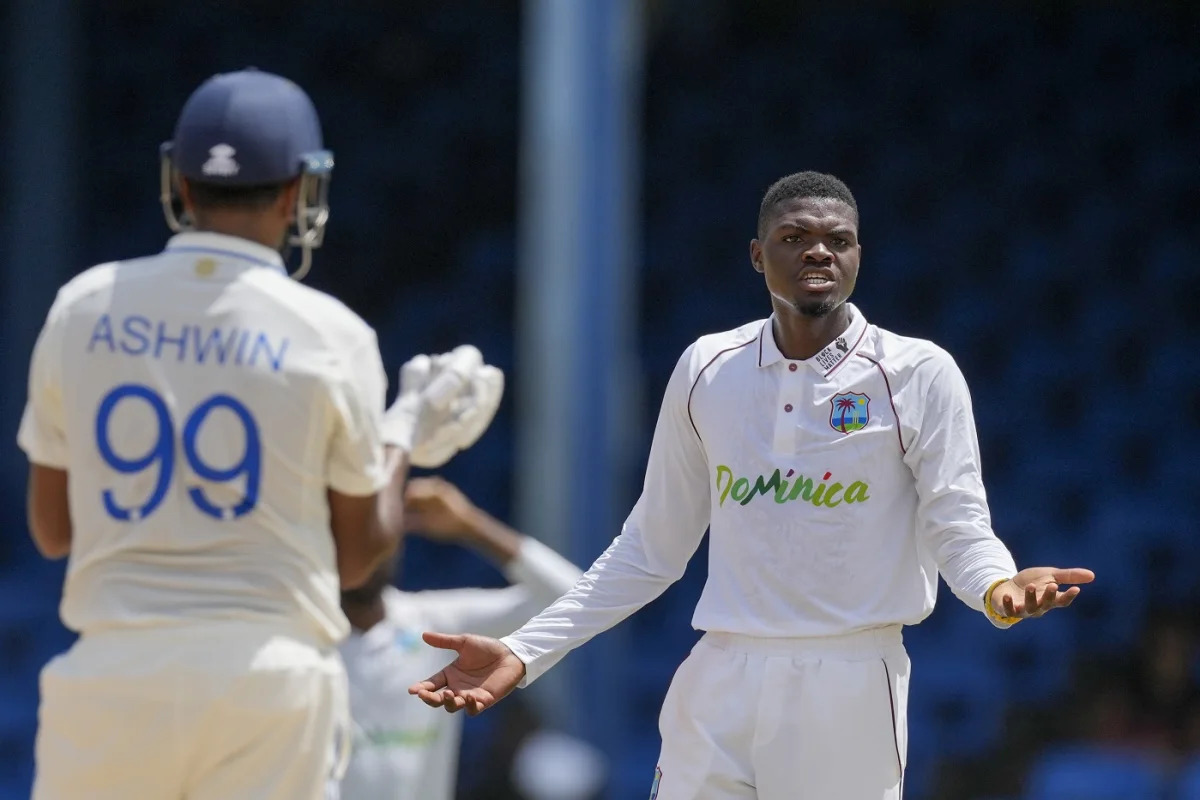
(994, 615)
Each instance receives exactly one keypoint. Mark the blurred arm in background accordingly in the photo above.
(439, 511)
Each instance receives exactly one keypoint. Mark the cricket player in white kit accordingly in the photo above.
(401, 748)
(208, 444)
(837, 468)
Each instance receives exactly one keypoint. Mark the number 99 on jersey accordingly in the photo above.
(161, 455)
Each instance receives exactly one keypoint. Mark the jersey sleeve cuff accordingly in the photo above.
(528, 657)
(359, 484)
(998, 620)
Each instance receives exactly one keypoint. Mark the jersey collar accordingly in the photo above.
(827, 360)
(222, 246)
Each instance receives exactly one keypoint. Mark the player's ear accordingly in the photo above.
(756, 255)
(288, 197)
(185, 195)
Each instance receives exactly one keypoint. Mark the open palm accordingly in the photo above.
(1035, 590)
(482, 675)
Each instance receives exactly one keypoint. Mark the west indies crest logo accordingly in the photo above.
(849, 412)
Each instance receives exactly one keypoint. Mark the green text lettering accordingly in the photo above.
(803, 487)
(762, 486)
(857, 493)
(833, 490)
(728, 473)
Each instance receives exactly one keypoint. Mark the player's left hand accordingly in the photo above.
(437, 509)
(1034, 591)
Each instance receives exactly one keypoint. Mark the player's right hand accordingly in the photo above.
(482, 675)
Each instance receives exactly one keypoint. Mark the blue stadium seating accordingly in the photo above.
(1187, 785)
(1096, 774)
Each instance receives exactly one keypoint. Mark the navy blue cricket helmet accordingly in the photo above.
(252, 128)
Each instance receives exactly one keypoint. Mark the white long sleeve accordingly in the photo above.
(953, 520)
(658, 539)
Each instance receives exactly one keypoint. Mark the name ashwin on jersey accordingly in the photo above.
(140, 336)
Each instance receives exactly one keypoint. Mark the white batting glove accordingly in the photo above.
(401, 420)
(444, 405)
(465, 415)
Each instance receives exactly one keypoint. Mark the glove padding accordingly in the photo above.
(445, 404)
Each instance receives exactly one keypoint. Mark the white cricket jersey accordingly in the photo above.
(835, 488)
(202, 403)
(403, 749)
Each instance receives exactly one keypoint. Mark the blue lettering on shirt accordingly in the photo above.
(136, 335)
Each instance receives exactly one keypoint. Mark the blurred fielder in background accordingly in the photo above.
(838, 467)
(402, 749)
(207, 444)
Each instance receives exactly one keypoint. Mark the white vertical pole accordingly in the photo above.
(577, 375)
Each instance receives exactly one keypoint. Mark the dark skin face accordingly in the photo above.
(809, 255)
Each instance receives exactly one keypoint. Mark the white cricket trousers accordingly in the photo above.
(749, 718)
(228, 711)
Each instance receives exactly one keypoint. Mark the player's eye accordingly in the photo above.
(791, 238)
(839, 241)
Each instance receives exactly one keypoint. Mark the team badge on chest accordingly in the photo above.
(848, 412)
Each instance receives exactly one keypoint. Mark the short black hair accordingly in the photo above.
(244, 198)
(801, 185)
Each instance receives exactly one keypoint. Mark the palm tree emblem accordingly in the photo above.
(846, 406)
(849, 413)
